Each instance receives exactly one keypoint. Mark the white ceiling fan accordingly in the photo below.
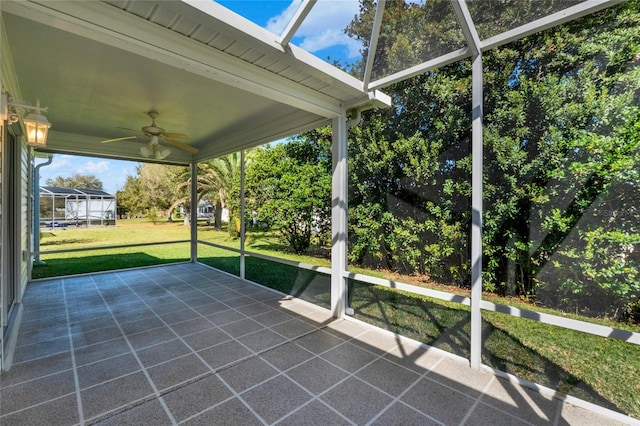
(153, 148)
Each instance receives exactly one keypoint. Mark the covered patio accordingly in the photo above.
(186, 344)
(190, 344)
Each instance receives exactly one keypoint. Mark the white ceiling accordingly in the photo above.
(100, 67)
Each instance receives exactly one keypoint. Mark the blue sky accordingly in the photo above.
(321, 34)
(112, 173)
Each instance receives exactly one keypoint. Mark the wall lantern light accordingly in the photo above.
(36, 124)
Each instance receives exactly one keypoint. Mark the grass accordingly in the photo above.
(601, 370)
(126, 232)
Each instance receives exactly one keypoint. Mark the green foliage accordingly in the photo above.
(288, 186)
(597, 266)
(561, 164)
(129, 198)
(219, 183)
(154, 187)
(158, 181)
(410, 33)
(632, 313)
(77, 180)
(153, 216)
(561, 140)
(561, 222)
(410, 179)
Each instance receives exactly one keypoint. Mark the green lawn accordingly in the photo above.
(601, 370)
(126, 232)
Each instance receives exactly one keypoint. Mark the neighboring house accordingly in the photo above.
(207, 210)
(60, 207)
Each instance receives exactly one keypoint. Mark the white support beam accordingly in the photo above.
(432, 64)
(242, 221)
(296, 21)
(568, 323)
(259, 34)
(473, 41)
(558, 18)
(193, 214)
(550, 21)
(476, 213)
(466, 25)
(339, 191)
(373, 43)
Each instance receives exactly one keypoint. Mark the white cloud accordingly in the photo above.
(323, 27)
(277, 24)
(112, 173)
(59, 162)
(93, 167)
(330, 38)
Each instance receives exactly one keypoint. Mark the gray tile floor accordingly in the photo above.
(186, 344)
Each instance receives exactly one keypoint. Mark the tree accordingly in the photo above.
(411, 33)
(76, 181)
(218, 182)
(289, 187)
(558, 153)
(129, 198)
(561, 112)
(153, 187)
(159, 185)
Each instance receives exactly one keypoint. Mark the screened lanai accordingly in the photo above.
(119, 73)
(61, 207)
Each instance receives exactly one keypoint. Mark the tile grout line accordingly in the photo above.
(242, 400)
(214, 371)
(318, 355)
(403, 393)
(297, 316)
(37, 378)
(29, 407)
(477, 401)
(74, 365)
(236, 339)
(144, 370)
(279, 372)
(188, 307)
(380, 356)
(254, 354)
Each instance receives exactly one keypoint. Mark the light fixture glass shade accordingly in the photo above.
(146, 151)
(37, 127)
(162, 152)
(155, 150)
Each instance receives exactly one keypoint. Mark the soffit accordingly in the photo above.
(227, 83)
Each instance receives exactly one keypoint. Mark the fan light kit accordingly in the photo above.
(153, 147)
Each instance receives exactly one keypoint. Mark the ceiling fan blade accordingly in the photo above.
(182, 146)
(118, 139)
(176, 135)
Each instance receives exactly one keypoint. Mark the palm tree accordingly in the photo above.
(183, 177)
(217, 180)
(217, 184)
